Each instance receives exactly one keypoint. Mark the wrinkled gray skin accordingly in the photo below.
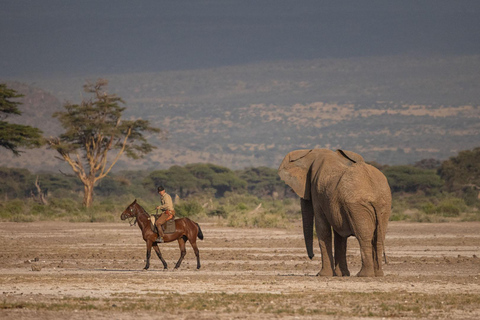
(341, 193)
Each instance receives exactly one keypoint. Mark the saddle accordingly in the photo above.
(167, 227)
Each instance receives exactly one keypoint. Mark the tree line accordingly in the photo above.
(459, 175)
(192, 180)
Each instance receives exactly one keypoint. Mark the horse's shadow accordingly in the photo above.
(115, 270)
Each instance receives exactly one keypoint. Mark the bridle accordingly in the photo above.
(134, 218)
(130, 219)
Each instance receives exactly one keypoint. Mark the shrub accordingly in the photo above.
(188, 208)
(219, 212)
(242, 206)
(64, 204)
(429, 208)
(14, 207)
(450, 207)
(398, 217)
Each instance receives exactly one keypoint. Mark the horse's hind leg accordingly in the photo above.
(183, 252)
(197, 253)
(159, 254)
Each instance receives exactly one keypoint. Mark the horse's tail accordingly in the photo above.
(200, 233)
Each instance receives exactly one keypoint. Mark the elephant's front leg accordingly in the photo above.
(340, 246)
(324, 232)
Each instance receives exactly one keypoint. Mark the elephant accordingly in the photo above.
(339, 192)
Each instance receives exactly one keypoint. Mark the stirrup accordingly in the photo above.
(159, 240)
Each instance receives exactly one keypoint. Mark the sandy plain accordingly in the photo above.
(60, 270)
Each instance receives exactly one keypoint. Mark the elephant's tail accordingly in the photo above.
(379, 236)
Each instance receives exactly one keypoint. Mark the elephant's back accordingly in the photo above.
(366, 184)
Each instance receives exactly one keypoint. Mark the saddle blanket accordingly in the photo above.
(167, 227)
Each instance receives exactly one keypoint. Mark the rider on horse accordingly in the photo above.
(168, 213)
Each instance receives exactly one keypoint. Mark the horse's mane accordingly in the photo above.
(142, 209)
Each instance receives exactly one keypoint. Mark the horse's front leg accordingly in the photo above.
(183, 252)
(159, 254)
(149, 251)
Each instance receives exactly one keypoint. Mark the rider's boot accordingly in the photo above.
(160, 234)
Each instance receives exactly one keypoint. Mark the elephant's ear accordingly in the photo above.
(350, 156)
(295, 171)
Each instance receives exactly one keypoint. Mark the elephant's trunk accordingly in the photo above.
(307, 218)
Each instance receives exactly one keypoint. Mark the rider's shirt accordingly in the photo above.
(166, 202)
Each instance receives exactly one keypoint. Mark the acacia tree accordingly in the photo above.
(95, 132)
(14, 136)
(462, 171)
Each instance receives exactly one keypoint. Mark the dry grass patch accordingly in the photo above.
(344, 304)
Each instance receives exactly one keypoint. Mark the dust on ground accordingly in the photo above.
(57, 270)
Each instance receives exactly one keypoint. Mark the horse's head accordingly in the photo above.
(130, 212)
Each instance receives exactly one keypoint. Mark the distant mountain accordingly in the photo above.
(393, 110)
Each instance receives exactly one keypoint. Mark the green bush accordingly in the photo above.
(64, 204)
(470, 196)
(429, 208)
(15, 207)
(398, 217)
(38, 209)
(269, 220)
(450, 207)
(218, 212)
(242, 206)
(188, 208)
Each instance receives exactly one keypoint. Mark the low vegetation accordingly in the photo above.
(428, 191)
(339, 304)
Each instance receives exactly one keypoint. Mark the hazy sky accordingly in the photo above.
(45, 38)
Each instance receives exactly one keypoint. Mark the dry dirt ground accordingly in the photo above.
(58, 270)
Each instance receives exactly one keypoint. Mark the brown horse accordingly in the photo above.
(186, 229)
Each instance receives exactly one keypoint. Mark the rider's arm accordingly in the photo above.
(168, 203)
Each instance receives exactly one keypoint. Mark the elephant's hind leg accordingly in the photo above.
(378, 250)
(362, 222)
(366, 251)
(340, 244)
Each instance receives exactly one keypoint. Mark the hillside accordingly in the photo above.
(392, 110)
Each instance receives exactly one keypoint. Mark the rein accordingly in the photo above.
(134, 219)
(130, 219)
